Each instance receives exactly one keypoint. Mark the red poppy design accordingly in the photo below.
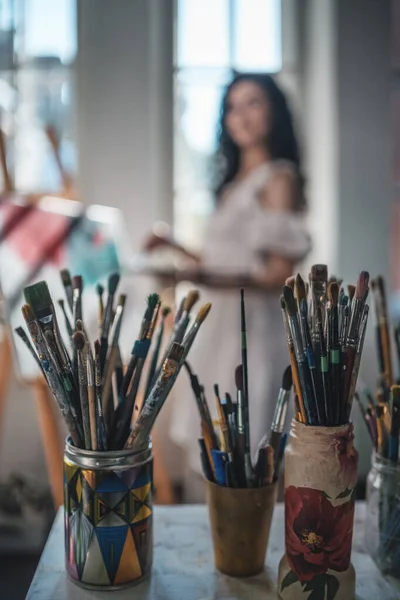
(318, 534)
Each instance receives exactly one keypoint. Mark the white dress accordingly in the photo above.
(240, 235)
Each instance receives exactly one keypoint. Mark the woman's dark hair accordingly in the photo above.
(281, 140)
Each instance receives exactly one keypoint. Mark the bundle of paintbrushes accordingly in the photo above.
(225, 451)
(325, 330)
(101, 402)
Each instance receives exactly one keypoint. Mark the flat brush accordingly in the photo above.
(152, 406)
(22, 334)
(304, 373)
(67, 283)
(113, 282)
(79, 343)
(66, 318)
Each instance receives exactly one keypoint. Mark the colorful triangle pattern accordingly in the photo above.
(108, 524)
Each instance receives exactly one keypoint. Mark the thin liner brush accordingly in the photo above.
(67, 283)
(179, 312)
(113, 282)
(245, 371)
(79, 342)
(66, 319)
(304, 373)
(22, 334)
(157, 346)
(244, 468)
(293, 362)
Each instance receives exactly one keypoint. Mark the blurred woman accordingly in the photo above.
(254, 238)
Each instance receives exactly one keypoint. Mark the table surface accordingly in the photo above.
(183, 567)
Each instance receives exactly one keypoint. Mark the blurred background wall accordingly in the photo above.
(134, 87)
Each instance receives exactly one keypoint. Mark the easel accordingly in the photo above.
(49, 428)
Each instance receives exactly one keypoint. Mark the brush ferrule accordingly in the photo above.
(278, 422)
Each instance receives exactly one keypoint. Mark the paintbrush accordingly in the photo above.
(230, 467)
(113, 282)
(66, 319)
(357, 360)
(318, 284)
(107, 395)
(77, 284)
(67, 283)
(383, 441)
(22, 334)
(393, 450)
(293, 362)
(170, 370)
(278, 422)
(52, 376)
(334, 379)
(179, 312)
(309, 353)
(245, 371)
(79, 343)
(384, 333)
(101, 426)
(352, 337)
(157, 346)
(304, 373)
(92, 400)
(193, 331)
(128, 390)
(202, 406)
(182, 324)
(244, 467)
(100, 292)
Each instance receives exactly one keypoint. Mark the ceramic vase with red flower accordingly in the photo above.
(320, 479)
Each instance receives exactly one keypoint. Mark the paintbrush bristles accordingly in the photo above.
(121, 300)
(79, 340)
(165, 312)
(38, 296)
(300, 288)
(239, 378)
(113, 282)
(176, 353)
(216, 389)
(287, 379)
(65, 277)
(362, 285)
(191, 300)
(77, 282)
(203, 312)
(333, 293)
(319, 273)
(351, 290)
(152, 301)
(290, 301)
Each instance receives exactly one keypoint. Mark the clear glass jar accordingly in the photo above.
(382, 523)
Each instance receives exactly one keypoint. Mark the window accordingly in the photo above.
(214, 38)
(37, 50)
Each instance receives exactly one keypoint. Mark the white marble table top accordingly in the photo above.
(183, 567)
